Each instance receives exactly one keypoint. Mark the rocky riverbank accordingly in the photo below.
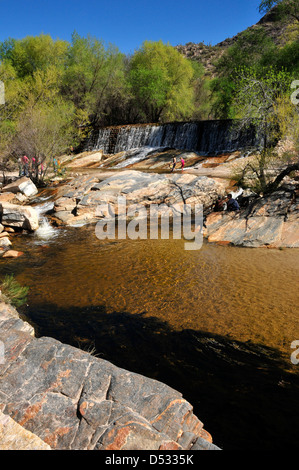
(16, 213)
(54, 396)
(81, 200)
(271, 221)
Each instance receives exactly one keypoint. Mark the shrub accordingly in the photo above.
(12, 292)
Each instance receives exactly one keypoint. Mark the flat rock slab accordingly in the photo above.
(271, 221)
(70, 399)
(14, 215)
(15, 437)
(84, 195)
(22, 185)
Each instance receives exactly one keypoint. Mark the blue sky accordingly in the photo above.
(127, 23)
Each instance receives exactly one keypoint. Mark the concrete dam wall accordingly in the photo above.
(203, 137)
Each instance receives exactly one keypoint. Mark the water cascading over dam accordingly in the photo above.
(203, 137)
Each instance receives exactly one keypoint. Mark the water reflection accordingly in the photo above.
(216, 324)
(245, 294)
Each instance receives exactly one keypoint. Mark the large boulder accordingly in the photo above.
(85, 160)
(72, 400)
(14, 215)
(271, 221)
(84, 197)
(21, 185)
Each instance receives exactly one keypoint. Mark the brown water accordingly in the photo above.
(216, 324)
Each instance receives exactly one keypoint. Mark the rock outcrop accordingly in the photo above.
(70, 399)
(22, 185)
(14, 215)
(271, 221)
(15, 437)
(80, 199)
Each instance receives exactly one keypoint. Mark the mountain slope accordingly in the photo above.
(271, 25)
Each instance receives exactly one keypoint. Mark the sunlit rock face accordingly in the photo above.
(63, 398)
(82, 198)
(14, 215)
(271, 221)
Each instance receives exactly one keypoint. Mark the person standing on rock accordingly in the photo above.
(55, 164)
(173, 164)
(182, 163)
(20, 165)
(25, 162)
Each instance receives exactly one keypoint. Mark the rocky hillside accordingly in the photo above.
(208, 55)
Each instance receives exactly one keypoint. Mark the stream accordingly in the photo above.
(216, 324)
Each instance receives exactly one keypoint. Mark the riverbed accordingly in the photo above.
(216, 323)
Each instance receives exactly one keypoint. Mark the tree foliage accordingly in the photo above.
(51, 85)
(56, 92)
(264, 100)
(161, 83)
(289, 8)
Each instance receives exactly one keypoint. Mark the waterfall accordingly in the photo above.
(134, 137)
(137, 155)
(223, 136)
(45, 230)
(204, 137)
(103, 140)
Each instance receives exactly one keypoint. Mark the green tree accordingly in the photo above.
(286, 8)
(260, 99)
(33, 53)
(161, 83)
(44, 131)
(93, 77)
(286, 57)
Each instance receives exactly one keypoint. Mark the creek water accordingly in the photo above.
(216, 323)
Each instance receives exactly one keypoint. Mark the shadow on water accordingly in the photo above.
(242, 392)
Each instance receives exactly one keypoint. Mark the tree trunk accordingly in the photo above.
(274, 185)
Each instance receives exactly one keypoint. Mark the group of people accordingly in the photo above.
(30, 167)
(56, 165)
(227, 203)
(34, 167)
(174, 163)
